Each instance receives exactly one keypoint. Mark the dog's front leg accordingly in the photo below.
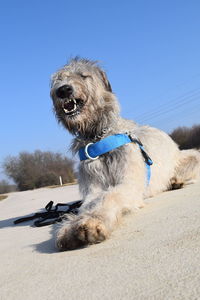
(99, 215)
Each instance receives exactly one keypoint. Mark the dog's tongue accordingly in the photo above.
(70, 105)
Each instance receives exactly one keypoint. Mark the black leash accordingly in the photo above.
(52, 214)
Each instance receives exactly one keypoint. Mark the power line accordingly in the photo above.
(172, 108)
(178, 86)
(170, 119)
(171, 103)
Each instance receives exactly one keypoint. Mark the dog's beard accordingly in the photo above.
(73, 114)
(80, 118)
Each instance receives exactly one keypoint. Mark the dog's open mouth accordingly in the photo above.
(69, 106)
(72, 106)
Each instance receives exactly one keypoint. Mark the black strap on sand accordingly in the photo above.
(52, 214)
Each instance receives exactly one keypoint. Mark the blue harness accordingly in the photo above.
(92, 151)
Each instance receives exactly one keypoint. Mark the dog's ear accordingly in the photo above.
(105, 81)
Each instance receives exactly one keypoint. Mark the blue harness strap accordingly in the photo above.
(93, 150)
(147, 160)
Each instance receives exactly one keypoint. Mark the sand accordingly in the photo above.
(154, 254)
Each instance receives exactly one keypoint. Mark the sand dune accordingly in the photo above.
(155, 254)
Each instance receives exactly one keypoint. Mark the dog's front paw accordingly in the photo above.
(82, 232)
(66, 240)
(91, 230)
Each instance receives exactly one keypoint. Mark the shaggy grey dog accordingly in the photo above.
(116, 182)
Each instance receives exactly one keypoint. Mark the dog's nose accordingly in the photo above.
(64, 91)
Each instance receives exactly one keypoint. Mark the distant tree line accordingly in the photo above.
(6, 187)
(187, 137)
(38, 169)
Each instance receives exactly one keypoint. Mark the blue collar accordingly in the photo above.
(92, 151)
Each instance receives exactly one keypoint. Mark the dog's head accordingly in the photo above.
(82, 96)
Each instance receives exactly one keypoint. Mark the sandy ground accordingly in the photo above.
(155, 254)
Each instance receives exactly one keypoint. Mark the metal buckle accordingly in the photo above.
(87, 154)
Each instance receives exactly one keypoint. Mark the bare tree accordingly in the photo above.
(186, 137)
(34, 170)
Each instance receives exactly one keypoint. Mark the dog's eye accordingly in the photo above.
(84, 76)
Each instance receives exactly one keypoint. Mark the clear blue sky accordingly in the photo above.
(150, 50)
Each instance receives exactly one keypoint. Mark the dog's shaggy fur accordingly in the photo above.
(116, 182)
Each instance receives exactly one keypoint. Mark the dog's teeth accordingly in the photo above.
(72, 110)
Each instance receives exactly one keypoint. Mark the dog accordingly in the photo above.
(115, 181)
